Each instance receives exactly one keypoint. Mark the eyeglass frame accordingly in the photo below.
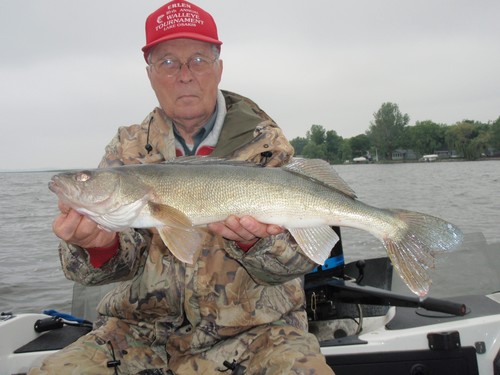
(158, 63)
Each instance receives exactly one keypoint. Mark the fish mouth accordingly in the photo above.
(55, 185)
(63, 192)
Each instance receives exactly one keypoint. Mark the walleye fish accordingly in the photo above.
(306, 197)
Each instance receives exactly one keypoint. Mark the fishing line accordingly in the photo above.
(148, 146)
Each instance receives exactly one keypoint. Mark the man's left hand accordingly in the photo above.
(245, 230)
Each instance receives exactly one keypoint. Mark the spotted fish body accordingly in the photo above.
(306, 197)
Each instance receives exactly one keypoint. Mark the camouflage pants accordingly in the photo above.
(264, 350)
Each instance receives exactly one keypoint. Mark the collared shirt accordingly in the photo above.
(198, 137)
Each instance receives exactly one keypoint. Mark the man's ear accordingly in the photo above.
(221, 67)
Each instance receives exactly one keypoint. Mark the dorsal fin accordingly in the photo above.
(321, 171)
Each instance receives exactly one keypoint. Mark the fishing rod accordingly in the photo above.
(352, 292)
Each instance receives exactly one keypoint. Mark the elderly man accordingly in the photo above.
(240, 306)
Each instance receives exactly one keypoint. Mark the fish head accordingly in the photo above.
(110, 197)
(86, 189)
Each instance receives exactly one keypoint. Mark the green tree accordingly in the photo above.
(346, 150)
(314, 151)
(298, 144)
(317, 134)
(387, 129)
(315, 147)
(426, 137)
(468, 138)
(495, 135)
(333, 143)
(360, 145)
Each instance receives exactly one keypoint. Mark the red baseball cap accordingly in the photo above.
(179, 19)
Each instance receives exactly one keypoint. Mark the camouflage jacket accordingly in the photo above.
(226, 291)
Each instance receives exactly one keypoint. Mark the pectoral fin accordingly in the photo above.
(316, 243)
(183, 243)
(177, 232)
(169, 216)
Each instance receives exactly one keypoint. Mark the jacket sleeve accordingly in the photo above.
(272, 260)
(123, 266)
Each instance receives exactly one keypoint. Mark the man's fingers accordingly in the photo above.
(80, 230)
(65, 225)
(244, 229)
(253, 227)
(273, 230)
(63, 207)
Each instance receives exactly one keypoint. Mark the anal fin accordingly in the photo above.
(316, 242)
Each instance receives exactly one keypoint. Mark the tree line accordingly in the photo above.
(390, 131)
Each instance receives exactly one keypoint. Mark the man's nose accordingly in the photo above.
(185, 73)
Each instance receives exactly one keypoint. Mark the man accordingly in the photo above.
(240, 306)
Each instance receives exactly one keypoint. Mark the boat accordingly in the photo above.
(430, 157)
(360, 160)
(380, 332)
(363, 326)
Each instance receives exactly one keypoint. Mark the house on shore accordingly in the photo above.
(402, 155)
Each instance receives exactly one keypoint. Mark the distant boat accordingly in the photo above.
(430, 157)
(360, 159)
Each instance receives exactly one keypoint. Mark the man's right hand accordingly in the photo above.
(79, 230)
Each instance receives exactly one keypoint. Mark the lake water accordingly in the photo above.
(465, 193)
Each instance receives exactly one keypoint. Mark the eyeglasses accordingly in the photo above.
(171, 67)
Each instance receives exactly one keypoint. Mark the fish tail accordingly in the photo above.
(414, 243)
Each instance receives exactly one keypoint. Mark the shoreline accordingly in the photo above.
(443, 160)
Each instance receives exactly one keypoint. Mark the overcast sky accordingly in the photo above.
(71, 72)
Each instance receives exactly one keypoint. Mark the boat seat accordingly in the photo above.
(55, 339)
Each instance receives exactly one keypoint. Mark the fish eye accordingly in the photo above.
(82, 176)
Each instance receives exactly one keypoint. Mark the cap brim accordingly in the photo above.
(193, 36)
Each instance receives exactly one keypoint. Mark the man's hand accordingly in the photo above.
(245, 230)
(79, 230)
